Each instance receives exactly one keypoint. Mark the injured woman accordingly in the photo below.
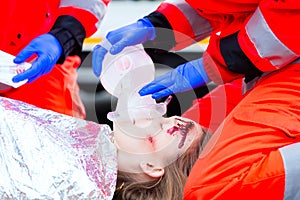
(47, 155)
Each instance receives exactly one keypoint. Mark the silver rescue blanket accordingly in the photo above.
(46, 155)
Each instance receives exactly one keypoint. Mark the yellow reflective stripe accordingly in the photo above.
(96, 40)
(89, 43)
(93, 40)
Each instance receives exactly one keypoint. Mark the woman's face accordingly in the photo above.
(157, 141)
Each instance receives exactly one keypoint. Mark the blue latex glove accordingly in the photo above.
(183, 78)
(130, 35)
(48, 50)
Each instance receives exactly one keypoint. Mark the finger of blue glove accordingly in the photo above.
(129, 35)
(97, 58)
(119, 40)
(162, 82)
(129, 38)
(163, 93)
(26, 53)
(32, 73)
(118, 47)
(114, 37)
(151, 88)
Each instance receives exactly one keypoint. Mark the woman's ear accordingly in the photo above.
(152, 170)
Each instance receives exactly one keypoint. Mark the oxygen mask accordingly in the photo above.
(123, 76)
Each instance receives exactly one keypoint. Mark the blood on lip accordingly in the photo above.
(150, 139)
(172, 130)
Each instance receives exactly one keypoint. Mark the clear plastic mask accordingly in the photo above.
(132, 68)
(123, 76)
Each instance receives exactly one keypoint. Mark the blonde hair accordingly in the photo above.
(170, 185)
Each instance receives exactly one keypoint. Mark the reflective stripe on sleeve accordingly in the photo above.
(96, 7)
(291, 159)
(266, 43)
(201, 26)
(296, 61)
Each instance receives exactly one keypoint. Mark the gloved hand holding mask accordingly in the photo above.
(117, 40)
(183, 78)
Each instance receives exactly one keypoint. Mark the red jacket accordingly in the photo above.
(211, 110)
(265, 35)
(22, 21)
(255, 153)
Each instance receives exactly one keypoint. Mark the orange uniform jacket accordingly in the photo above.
(254, 154)
(265, 35)
(22, 21)
(210, 110)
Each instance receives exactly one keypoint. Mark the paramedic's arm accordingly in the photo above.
(158, 30)
(74, 23)
(266, 42)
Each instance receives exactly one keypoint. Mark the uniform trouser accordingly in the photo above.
(249, 156)
(57, 91)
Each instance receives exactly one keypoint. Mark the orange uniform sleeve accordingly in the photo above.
(265, 38)
(243, 160)
(187, 25)
(210, 110)
(268, 36)
(88, 12)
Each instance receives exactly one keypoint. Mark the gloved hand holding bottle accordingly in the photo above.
(115, 41)
(48, 51)
(183, 78)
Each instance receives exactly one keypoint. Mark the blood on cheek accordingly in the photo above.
(182, 129)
